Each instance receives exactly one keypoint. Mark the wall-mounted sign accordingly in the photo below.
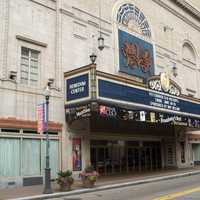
(162, 83)
(135, 56)
(77, 87)
(78, 112)
(117, 92)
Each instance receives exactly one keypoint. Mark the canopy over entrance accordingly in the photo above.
(93, 93)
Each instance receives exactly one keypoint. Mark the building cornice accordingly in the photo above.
(12, 122)
(179, 15)
(188, 7)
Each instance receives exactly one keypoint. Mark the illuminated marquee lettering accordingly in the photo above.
(77, 87)
(155, 84)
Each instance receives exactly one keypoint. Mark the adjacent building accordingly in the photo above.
(129, 105)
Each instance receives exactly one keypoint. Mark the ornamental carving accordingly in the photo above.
(136, 57)
(155, 84)
(129, 12)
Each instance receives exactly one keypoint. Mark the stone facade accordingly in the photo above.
(65, 33)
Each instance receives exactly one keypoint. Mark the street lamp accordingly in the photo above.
(47, 188)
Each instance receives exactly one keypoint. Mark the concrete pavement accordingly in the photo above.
(105, 183)
(185, 188)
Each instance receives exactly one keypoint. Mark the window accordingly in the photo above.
(29, 66)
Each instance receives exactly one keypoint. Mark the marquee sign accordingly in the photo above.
(135, 56)
(148, 99)
(77, 87)
(78, 112)
(119, 113)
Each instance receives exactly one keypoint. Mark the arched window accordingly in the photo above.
(188, 53)
(188, 71)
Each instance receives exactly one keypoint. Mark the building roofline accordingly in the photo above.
(192, 10)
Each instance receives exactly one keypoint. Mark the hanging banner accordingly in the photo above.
(41, 118)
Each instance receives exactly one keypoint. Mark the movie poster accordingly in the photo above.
(76, 154)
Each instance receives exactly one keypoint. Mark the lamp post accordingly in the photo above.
(47, 187)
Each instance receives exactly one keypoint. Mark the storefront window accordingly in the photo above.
(76, 154)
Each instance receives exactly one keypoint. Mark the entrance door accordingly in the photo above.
(109, 158)
(156, 157)
(115, 158)
(148, 158)
(133, 159)
(98, 157)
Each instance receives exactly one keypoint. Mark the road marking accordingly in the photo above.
(178, 194)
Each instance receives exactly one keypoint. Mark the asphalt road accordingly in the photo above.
(187, 188)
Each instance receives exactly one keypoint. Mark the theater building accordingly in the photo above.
(128, 105)
(135, 114)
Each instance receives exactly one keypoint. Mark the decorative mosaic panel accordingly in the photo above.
(135, 56)
(129, 12)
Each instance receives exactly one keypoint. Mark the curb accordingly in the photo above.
(107, 187)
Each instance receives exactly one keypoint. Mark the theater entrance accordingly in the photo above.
(109, 157)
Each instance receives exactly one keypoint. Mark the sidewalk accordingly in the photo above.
(103, 183)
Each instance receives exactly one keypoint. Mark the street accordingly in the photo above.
(187, 188)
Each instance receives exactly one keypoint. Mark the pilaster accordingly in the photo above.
(58, 46)
(4, 29)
